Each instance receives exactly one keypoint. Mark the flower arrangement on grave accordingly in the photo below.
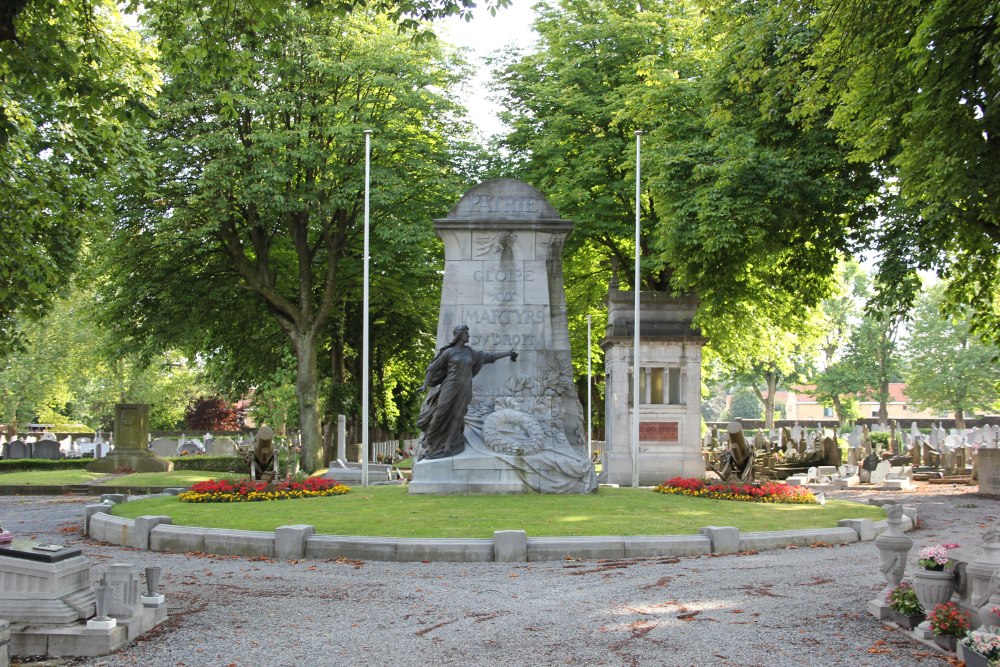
(903, 599)
(246, 490)
(984, 642)
(934, 557)
(764, 492)
(948, 619)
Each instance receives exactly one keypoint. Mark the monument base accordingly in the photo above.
(136, 459)
(654, 467)
(465, 474)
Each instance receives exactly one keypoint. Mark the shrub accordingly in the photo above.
(211, 463)
(23, 465)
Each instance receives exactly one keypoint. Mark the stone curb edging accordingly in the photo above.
(294, 542)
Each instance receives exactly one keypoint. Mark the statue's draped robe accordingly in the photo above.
(442, 418)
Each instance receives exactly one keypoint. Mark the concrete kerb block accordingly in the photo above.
(4, 641)
(779, 539)
(116, 498)
(582, 548)
(89, 511)
(177, 539)
(290, 541)
(510, 546)
(138, 538)
(455, 550)
(652, 546)
(251, 543)
(865, 528)
(724, 539)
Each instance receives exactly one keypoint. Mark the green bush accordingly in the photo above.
(21, 465)
(880, 438)
(211, 463)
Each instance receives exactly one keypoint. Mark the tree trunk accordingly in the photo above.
(883, 400)
(772, 386)
(838, 408)
(960, 419)
(307, 393)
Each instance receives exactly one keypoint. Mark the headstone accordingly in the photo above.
(17, 449)
(46, 449)
(881, 470)
(124, 582)
(190, 447)
(341, 437)
(222, 446)
(164, 447)
(503, 280)
(131, 439)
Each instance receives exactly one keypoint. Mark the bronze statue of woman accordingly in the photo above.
(449, 376)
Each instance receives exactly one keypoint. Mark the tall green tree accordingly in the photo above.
(837, 383)
(255, 201)
(913, 89)
(75, 85)
(948, 366)
(872, 360)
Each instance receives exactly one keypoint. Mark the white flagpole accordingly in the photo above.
(364, 321)
(636, 369)
(590, 384)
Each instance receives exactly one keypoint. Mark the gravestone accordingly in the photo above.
(17, 449)
(164, 447)
(223, 446)
(190, 447)
(46, 449)
(523, 428)
(131, 437)
(881, 470)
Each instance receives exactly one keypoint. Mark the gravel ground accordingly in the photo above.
(786, 607)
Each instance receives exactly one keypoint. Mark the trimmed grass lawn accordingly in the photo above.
(391, 511)
(48, 477)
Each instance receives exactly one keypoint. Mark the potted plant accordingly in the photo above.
(933, 558)
(906, 608)
(980, 648)
(948, 623)
(933, 583)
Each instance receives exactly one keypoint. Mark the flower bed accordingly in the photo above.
(764, 492)
(224, 491)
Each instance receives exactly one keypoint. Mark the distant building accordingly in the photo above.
(801, 405)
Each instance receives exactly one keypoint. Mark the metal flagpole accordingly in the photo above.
(635, 338)
(590, 384)
(364, 321)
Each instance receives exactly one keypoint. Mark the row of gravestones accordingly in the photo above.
(171, 447)
(40, 449)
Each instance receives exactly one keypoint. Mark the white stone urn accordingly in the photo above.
(893, 546)
(933, 587)
(983, 575)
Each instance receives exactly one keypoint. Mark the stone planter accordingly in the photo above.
(933, 587)
(947, 642)
(907, 621)
(971, 658)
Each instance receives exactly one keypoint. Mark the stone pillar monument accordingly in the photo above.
(669, 386)
(524, 427)
(131, 443)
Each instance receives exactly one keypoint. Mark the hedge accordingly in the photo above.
(17, 465)
(208, 463)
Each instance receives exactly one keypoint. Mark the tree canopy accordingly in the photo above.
(254, 201)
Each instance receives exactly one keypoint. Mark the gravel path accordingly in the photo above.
(786, 607)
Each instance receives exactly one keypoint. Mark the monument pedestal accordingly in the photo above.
(131, 437)
(465, 474)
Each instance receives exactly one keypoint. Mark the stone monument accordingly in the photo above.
(669, 387)
(131, 443)
(523, 428)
